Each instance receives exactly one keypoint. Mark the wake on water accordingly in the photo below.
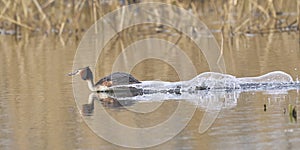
(209, 91)
(211, 81)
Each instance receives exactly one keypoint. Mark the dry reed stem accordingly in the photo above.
(194, 8)
(16, 22)
(47, 3)
(5, 8)
(63, 43)
(89, 10)
(18, 28)
(230, 11)
(260, 8)
(76, 6)
(215, 7)
(77, 11)
(44, 16)
(222, 46)
(24, 9)
(123, 48)
(95, 16)
(272, 8)
(298, 12)
(241, 25)
(122, 18)
(241, 9)
(61, 29)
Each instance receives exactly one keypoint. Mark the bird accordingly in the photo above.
(117, 78)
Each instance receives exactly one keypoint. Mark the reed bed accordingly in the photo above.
(73, 17)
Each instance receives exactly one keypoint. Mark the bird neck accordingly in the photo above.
(91, 85)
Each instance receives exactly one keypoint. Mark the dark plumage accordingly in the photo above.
(86, 74)
(118, 78)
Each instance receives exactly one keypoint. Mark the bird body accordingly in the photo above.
(117, 78)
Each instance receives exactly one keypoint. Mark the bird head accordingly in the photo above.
(85, 73)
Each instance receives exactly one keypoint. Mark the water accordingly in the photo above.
(38, 111)
(221, 92)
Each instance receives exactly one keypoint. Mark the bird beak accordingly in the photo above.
(74, 73)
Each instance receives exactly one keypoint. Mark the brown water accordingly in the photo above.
(38, 111)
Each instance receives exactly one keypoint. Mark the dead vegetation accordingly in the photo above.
(73, 17)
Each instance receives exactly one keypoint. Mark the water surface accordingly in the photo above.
(38, 111)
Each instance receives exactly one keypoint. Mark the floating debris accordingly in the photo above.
(265, 107)
(292, 113)
(7, 32)
(289, 130)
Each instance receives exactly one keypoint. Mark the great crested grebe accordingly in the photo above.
(117, 78)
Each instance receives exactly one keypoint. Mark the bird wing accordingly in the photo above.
(119, 78)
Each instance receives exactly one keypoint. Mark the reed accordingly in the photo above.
(74, 16)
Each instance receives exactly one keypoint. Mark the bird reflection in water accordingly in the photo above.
(105, 100)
